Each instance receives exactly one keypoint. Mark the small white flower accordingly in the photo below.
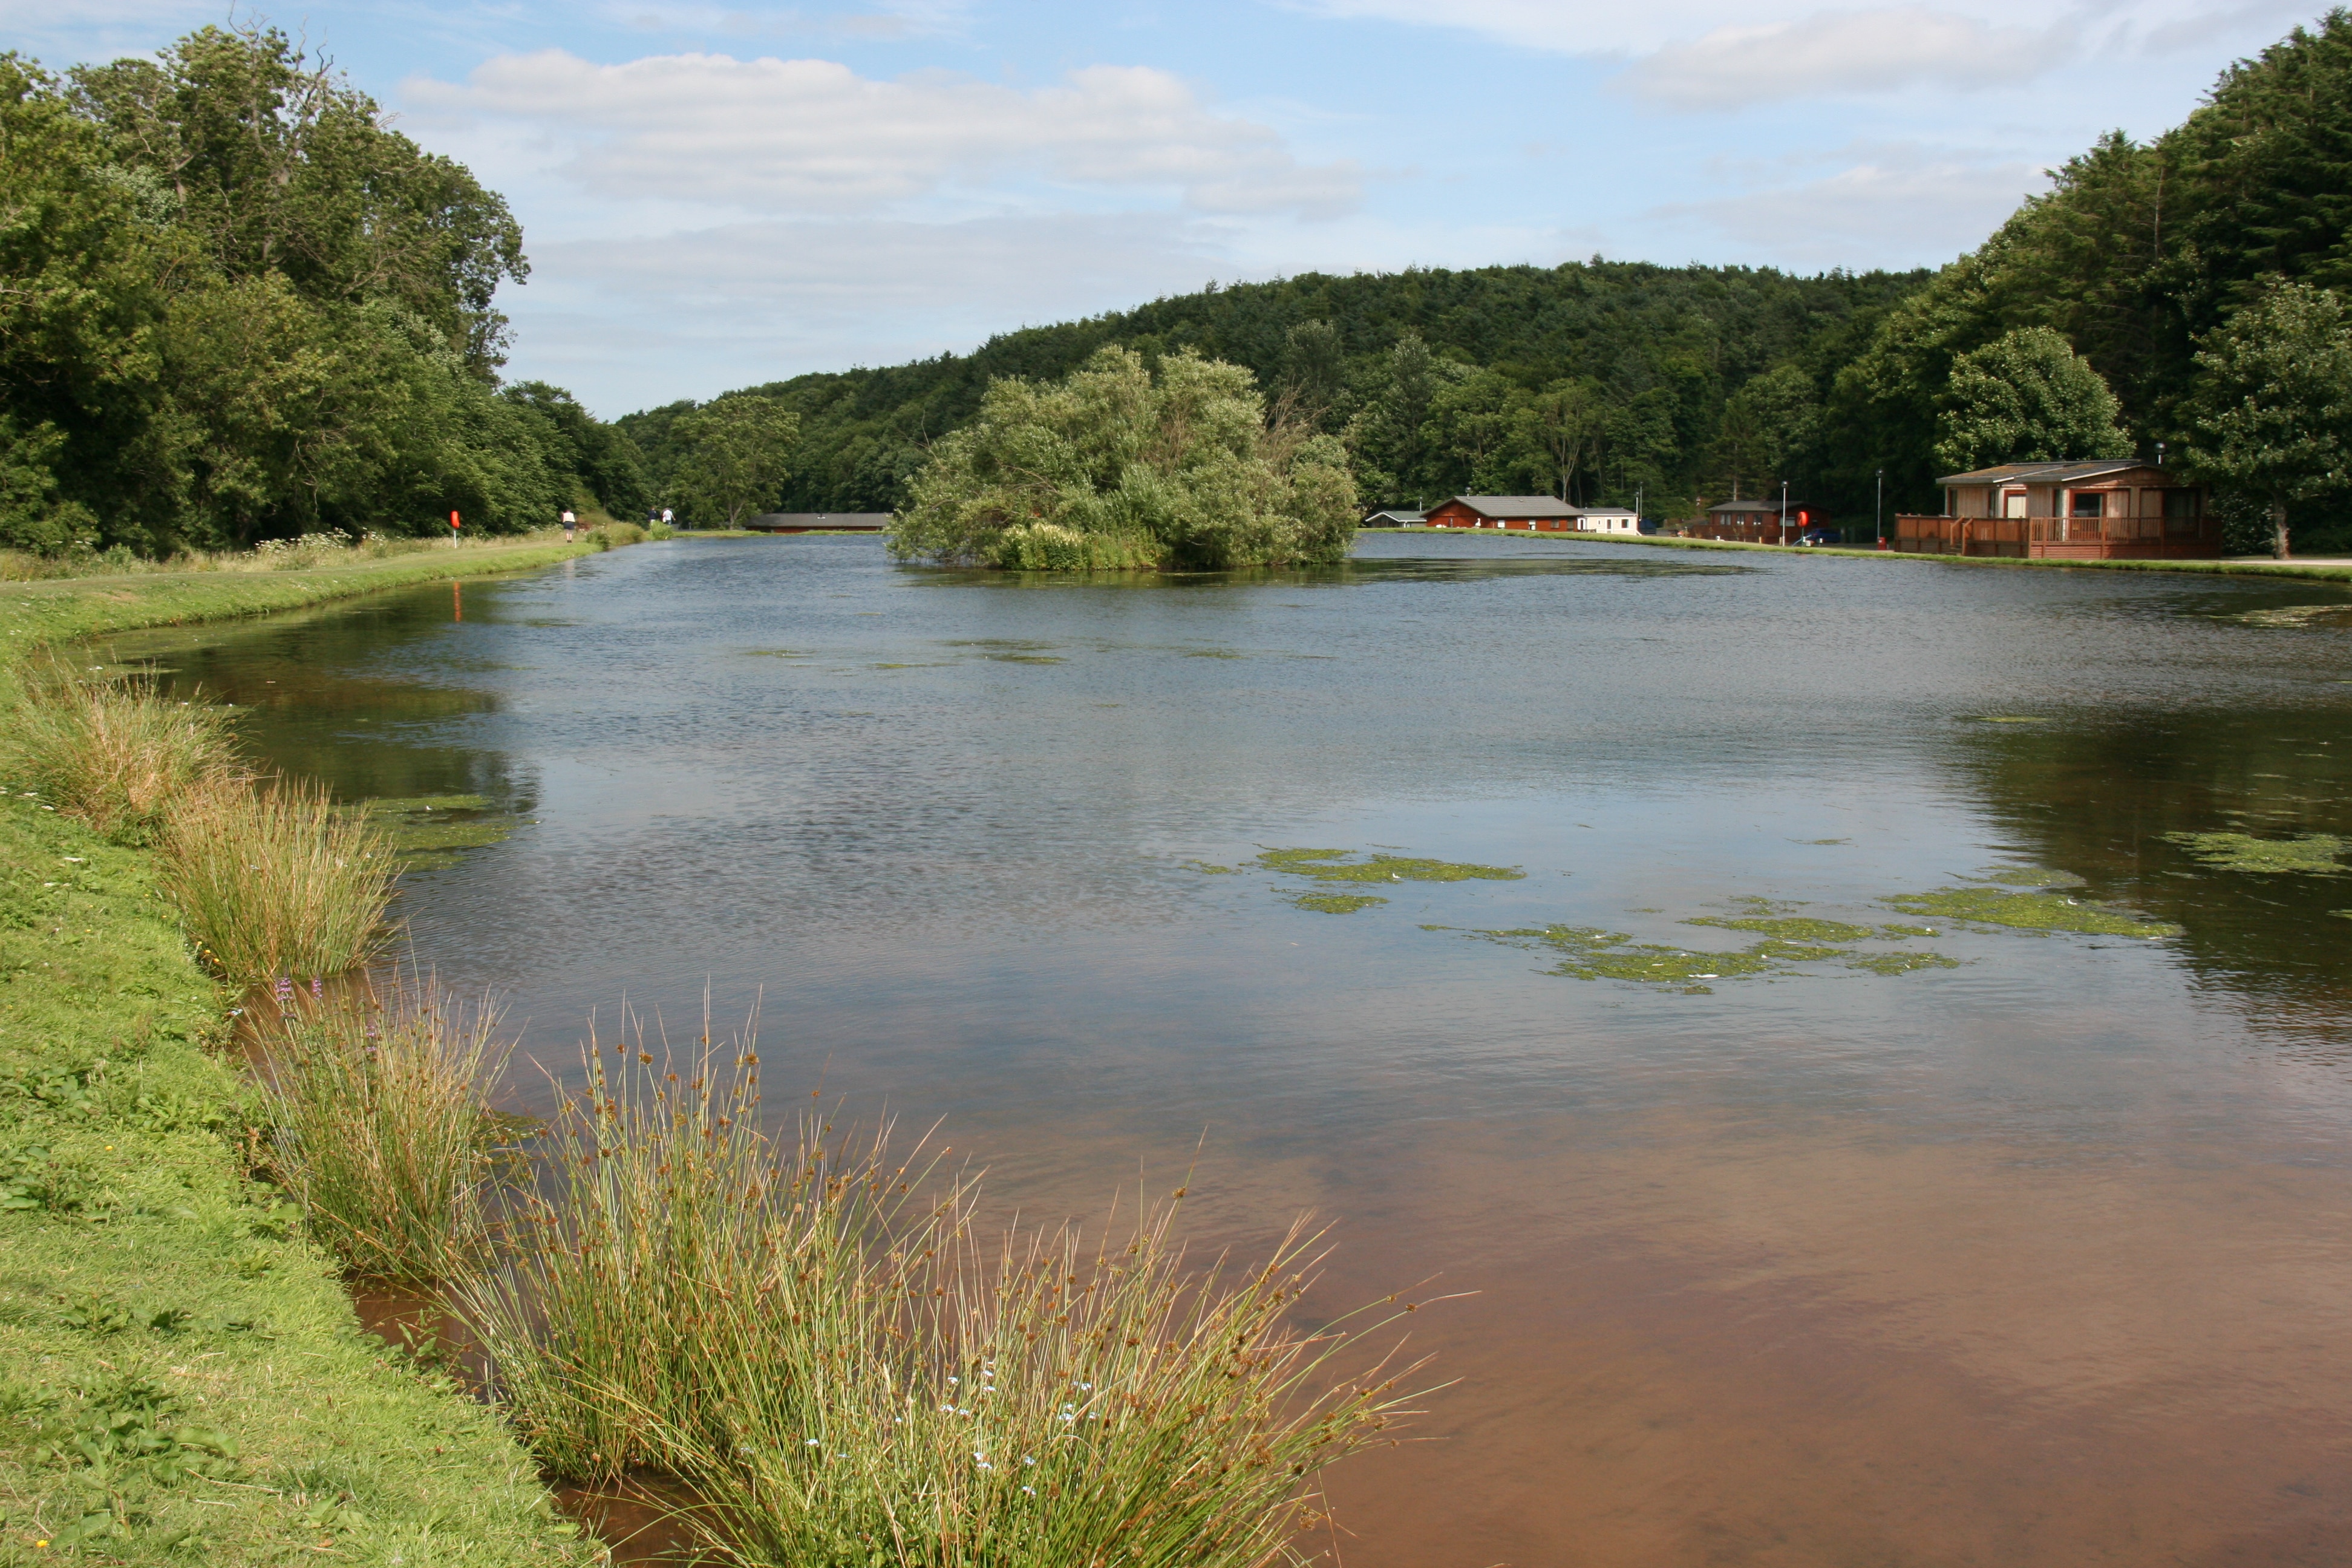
(1031, 1490)
(1028, 1458)
(949, 1406)
(814, 1443)
(954, 1381)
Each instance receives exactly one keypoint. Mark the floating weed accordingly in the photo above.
(777, 653)
(1337, 904)
(2292, 615)
(2033, 876)
(1900, 963)
(2314, 854)
(1591, 953)
(1022, 658)
(1788, 929)
(2004, 718)
(1328, 866)
(1208, 869)
(432, 831)
(2028, 911)
(1795, 952)
(1213, 653)
(1902, 933)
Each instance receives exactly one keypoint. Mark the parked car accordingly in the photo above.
(1821, 536)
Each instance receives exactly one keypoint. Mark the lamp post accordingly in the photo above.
(1881, 509)
(1784, 514)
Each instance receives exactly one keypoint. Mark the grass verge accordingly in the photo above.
(36, 614)
(181, 1374)
(184, 1379)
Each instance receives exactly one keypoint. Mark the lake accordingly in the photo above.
(1775, 1243)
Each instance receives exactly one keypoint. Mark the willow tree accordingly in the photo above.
(1114, 467)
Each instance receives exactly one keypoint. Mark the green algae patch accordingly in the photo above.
(1903, 933)
(1022, 658)
(2313, 854)
(1331, 866)
(1787, 929)
(1903, 963)
(2028, 911)
(1591, 953)
(2034, 877)
(1337, 904)
(1209, 869)
(2005, 719)
(430, 832)
(1213, 653)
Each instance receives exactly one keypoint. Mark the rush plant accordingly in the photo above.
(375, 1124)
(116, 753)
(1051, 1403)
(666, 1215)
(274, 882)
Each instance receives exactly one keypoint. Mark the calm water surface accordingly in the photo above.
(2041, 1258)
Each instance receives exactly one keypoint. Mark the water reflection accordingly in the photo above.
(2036, 1260)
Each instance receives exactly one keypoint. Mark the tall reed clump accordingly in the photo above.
(1058, 1405)
(376, 1126)
(666, 1210)
(273, 881)
(116, 753)
(807, 1331)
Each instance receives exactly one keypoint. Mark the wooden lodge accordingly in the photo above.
(1753, 521)
(1530, 514)
(1539, 514)
(2120, 509)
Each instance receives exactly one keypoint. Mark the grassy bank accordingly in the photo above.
(2324, 572)
(62, 610)
(185, 1378)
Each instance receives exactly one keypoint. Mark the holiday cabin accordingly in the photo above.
(1524, 513)
(2119, 509)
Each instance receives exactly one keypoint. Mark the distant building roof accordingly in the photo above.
(1753, 505)
(1395, 514)
(2044, 473)
(1516, 506)
(812, 521)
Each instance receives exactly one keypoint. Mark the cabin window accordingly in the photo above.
(2013, 504)
(2087, 503)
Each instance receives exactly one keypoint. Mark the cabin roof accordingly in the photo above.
(1516, 506)
(1401, 513)
(1752, 504)
(2046, 473)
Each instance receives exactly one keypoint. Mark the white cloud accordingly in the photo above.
(1891, 204)
(1848, 52)
(1605, 28)
(812, 136)
(635, 322)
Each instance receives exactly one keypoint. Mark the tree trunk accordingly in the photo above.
(2278, 529)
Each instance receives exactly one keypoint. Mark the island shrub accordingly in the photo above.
(375, 1123)
(1116, 466)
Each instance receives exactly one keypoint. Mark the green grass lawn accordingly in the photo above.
(183, 1378)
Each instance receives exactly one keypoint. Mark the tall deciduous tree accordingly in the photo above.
(2273, 413)
(2027, 398)
(738, 452)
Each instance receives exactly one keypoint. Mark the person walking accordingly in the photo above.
(571, 524)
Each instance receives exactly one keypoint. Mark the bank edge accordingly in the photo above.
(138, 1264)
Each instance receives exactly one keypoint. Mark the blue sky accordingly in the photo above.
(715, 196)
